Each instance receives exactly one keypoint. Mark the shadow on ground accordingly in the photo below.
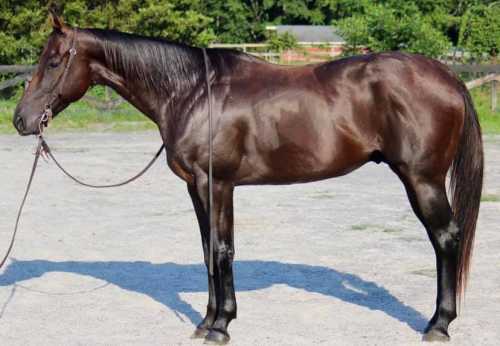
(165, 281)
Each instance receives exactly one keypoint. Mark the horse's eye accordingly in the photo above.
(53, 64)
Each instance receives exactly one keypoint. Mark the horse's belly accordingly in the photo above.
(297, 150)
(294, 136)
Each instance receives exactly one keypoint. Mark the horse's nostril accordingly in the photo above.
(19, 124)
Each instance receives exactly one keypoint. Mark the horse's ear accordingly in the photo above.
(57, 22)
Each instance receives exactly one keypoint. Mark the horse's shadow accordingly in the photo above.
(165, 281)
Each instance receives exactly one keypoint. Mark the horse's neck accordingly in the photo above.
(129, 90)
(155, 102)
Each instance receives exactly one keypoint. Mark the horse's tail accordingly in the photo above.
(466, 186)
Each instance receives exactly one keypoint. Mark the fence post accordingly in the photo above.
(494, 96)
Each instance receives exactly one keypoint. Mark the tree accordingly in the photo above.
(281, 42)
(426, 26)
(24, 24)
(384, 28)
(480, 31)
(20, 34)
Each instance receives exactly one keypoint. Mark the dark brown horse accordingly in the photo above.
(285, 125)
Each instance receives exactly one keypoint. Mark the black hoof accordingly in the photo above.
(200, 333)
(216, 337)
(435, 335)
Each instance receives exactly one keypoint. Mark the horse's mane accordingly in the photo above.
(158, 64)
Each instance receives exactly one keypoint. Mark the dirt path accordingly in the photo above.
(339, 262)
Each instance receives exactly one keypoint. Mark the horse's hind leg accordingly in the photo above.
(429, 202)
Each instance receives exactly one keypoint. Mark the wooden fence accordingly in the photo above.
(22, 73)
(482, 75)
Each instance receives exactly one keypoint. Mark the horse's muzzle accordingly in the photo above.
(23, 128)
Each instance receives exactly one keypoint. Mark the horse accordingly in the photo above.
(278, 124)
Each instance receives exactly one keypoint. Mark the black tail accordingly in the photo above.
(466, 186)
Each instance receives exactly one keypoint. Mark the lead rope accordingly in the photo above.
(42, 149)
(210, 167)
(47, 150)
(32, 175)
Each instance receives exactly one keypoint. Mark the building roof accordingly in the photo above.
(310, 33)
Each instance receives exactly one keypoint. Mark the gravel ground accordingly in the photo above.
(338, 262)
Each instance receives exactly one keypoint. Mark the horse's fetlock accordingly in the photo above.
(230, 308)
(448, 314)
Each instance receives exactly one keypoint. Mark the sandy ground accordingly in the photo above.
(338, 262)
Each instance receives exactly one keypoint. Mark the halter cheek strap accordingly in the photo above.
(48, 113)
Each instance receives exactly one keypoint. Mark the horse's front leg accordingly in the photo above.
(223, 260)
(221, 307)
(203, 328)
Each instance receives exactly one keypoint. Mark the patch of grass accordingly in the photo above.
(375, 227)
(490, 121)
(392, 230)
(430, 273)
(490, 198)
(361, 227)
(410, 239)
(81, 116)
(322, 195)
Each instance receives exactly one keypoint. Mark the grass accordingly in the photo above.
(490, 198)
(430, 273)
(367, 226)
(490, 121)
(80, 116)
(361, 227)
(392, 230)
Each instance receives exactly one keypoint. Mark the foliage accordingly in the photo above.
(24, 25)
(426, 26)
(384, 28)
(280, 42)
(480, 30)
(355, 31)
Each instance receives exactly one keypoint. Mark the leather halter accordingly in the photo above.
(48, 113)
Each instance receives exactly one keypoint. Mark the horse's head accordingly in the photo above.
(62, 77)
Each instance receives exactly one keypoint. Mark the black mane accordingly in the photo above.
(158, 64)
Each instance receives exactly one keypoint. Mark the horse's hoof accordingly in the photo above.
(200, 333)
(216, 337)
(435, 335)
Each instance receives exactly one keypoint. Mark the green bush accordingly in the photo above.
(281, 42)
(480, 31)
(426, 26)
(383, 28)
